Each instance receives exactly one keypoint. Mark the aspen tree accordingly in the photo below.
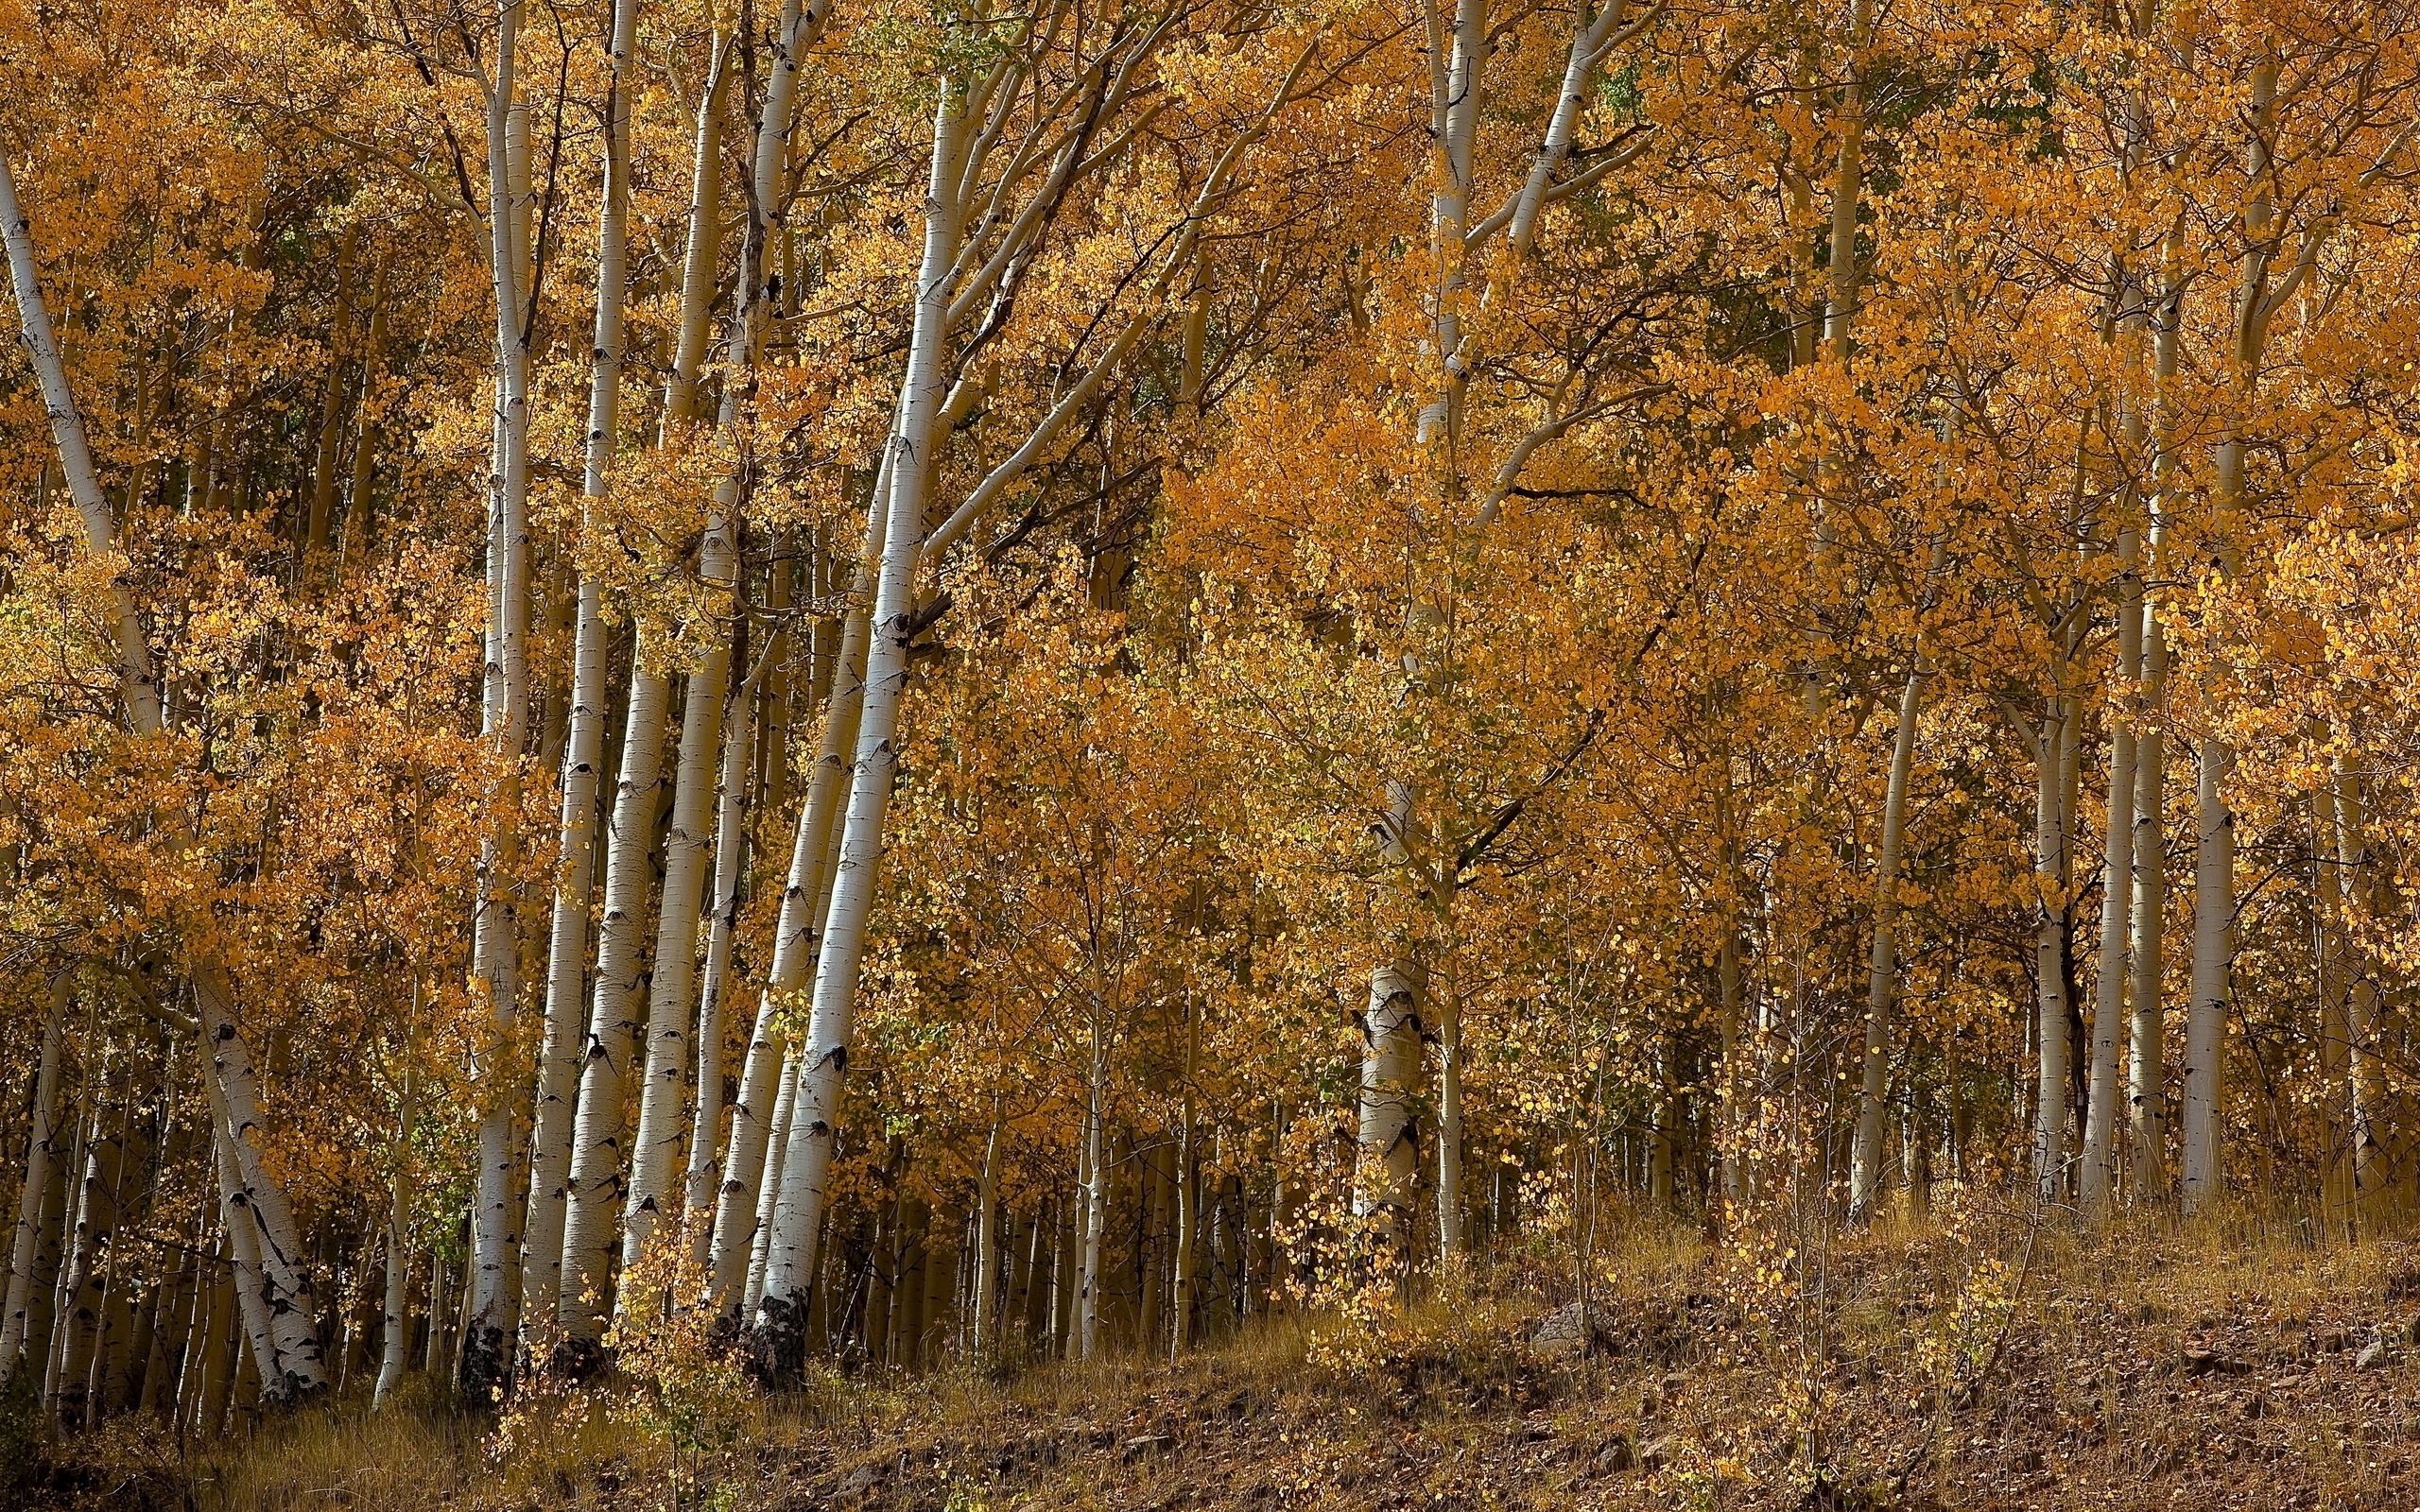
(583, 745)
(740, 739)
(593, 1202)
(797, 1212)
(2097, 1178)
(1865, 1161)
(494, 1293)
(269, 1223)
(717, 569)
(26, 1239)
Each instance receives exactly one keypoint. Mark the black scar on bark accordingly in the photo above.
(576, 1359)
(482, 1378)
(777, 1341)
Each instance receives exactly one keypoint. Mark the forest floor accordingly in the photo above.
(1933, 1367)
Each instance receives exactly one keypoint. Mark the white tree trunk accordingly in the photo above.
(987, 1244)
(41, 1138)
(1865, 1157)
(2146, 1070)
(759, 1244)
(584, 740)
(258, 1298)
(495, 933)
(2051, 991)
(1388, 1145)
(663, 1098)
(731, 845)
(765, 1076)
(741, 1215)
(396, 1331)
(2364, 1090)
(699, 261)
(2099, 1179)
(139, 690)
(2205, 1022)
(798, 1211)
(1449, 1109)
(1094, 1212)
(593, 1207)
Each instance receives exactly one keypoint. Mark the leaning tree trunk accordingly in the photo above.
(739, 1217)
(798, 1210)
(41, 1138)
(264, 1201)
(767, 1073)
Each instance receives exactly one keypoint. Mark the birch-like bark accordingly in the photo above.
(1388, 1142)
(705, 226)
(717, 566)
(256, 1299)
(2146, 1066)
(1188, 1216)
(739, 1242)
(593, 1204)
(1095, 1211)
(662, 1098)
(1866, 1158)
(584, 738)
(2098, 1179)
(2364, 1089)
(1592, 40)
(2051, 991)
(494, 1294)
(758, 1244)
(987, 1242)
(781, 1314)
(2206, 1009)
(741, 1207)
(731, 843)
(25, 1242)
(1449, 1114)
(140, 692)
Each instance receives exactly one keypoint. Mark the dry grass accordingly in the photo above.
(2141, 1368)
